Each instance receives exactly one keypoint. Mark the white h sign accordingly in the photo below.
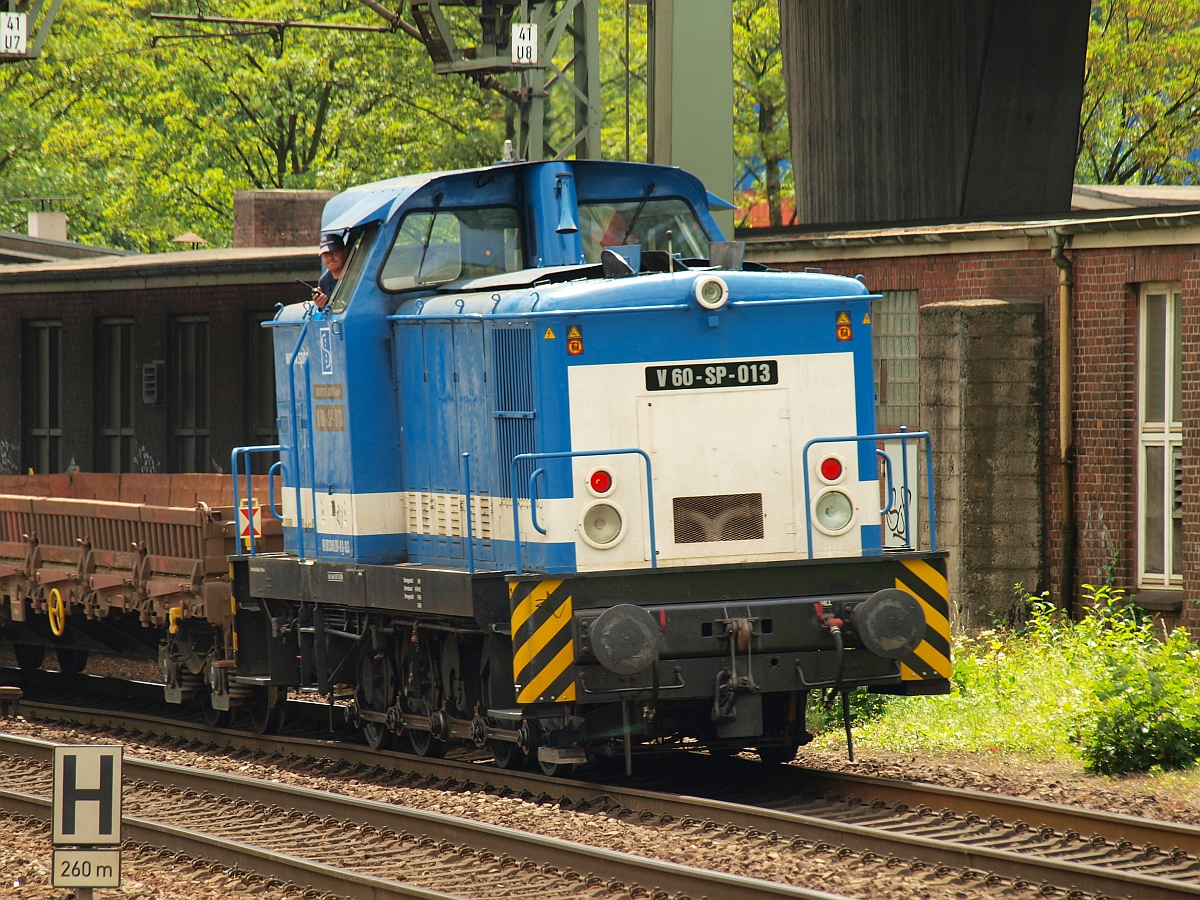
(14, 30)
(87, 795)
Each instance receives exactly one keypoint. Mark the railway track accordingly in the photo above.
(986, 837)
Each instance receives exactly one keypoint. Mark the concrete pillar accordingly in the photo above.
(981, 397)
(691, 96)
(932, 109)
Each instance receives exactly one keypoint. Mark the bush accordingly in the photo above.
(1103, 689)
(1147, 713)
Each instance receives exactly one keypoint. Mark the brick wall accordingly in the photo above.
(1105, 392)
(229, 310)
(278, 218)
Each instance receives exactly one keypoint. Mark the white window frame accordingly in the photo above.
(1154, 435)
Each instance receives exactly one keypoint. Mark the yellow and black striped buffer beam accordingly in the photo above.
(926, 580)
(543, 641)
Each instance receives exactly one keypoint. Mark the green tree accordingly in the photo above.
(153, 125)
(1140, 121)
(761, 140)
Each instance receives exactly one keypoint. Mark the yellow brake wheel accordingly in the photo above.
(56, 609)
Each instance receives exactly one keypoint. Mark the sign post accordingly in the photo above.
(86, 817)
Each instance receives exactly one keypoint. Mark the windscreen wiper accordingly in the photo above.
(437, 203)
(638, 212)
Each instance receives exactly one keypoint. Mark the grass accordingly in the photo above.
(1108, 691)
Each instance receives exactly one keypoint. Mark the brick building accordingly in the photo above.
(142, 363)
(969, 339)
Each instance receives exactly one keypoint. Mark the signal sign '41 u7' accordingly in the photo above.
(14, 31)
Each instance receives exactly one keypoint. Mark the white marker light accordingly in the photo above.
(833, 512)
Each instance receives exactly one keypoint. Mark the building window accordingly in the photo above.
(114, 395)
(897, 381)
(190, 377)
(1160, 450)
(260, 406)
(42, 410)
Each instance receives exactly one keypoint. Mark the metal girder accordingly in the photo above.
(545, 87)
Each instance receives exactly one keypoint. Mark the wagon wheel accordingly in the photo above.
(213, 717)
(374, 694)
(70, 660)
(29, 656)
(267, 709)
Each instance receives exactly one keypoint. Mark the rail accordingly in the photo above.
(903, 436)
(571, 454)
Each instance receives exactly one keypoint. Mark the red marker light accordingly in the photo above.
(601, 482)
(831, 468)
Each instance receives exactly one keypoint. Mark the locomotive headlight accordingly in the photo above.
(602, 525)
(833, 512)
(710, 291)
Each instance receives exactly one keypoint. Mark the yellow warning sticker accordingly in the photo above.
(866, 318)
(574, 332)
(843, 318)
(549, 335)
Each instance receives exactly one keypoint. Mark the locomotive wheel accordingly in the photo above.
(423, 742)
(549, 769)
(776, 756)
(71, 661)
(507, 755)
(267, 709)
(373, 694)
(29, 656)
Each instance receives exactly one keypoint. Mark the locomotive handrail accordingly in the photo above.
(568, 454)
(533, 498)
(903, 435)
(278, 464)
(237, 495)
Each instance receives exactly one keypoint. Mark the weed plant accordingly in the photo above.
(1106, 690)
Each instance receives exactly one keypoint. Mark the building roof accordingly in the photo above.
(1107, 228)
(18, 249)
(225, 265)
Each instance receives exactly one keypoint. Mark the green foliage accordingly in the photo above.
(762, 142)
(1108, 689)
(151, 126)
(1141, 112)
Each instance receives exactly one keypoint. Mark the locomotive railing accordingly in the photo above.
(243, 453)
(903, 436)
(568, 454)
(295, 425)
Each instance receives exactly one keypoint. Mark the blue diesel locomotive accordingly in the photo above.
(565, 476)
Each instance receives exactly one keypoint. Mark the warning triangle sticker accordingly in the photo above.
(549, 335)
(843, 318)
(574, 332)
(866, 318)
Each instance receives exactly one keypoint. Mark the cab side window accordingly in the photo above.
(437, 246)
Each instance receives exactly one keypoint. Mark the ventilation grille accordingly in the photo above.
(512, 356)
(725, 517)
